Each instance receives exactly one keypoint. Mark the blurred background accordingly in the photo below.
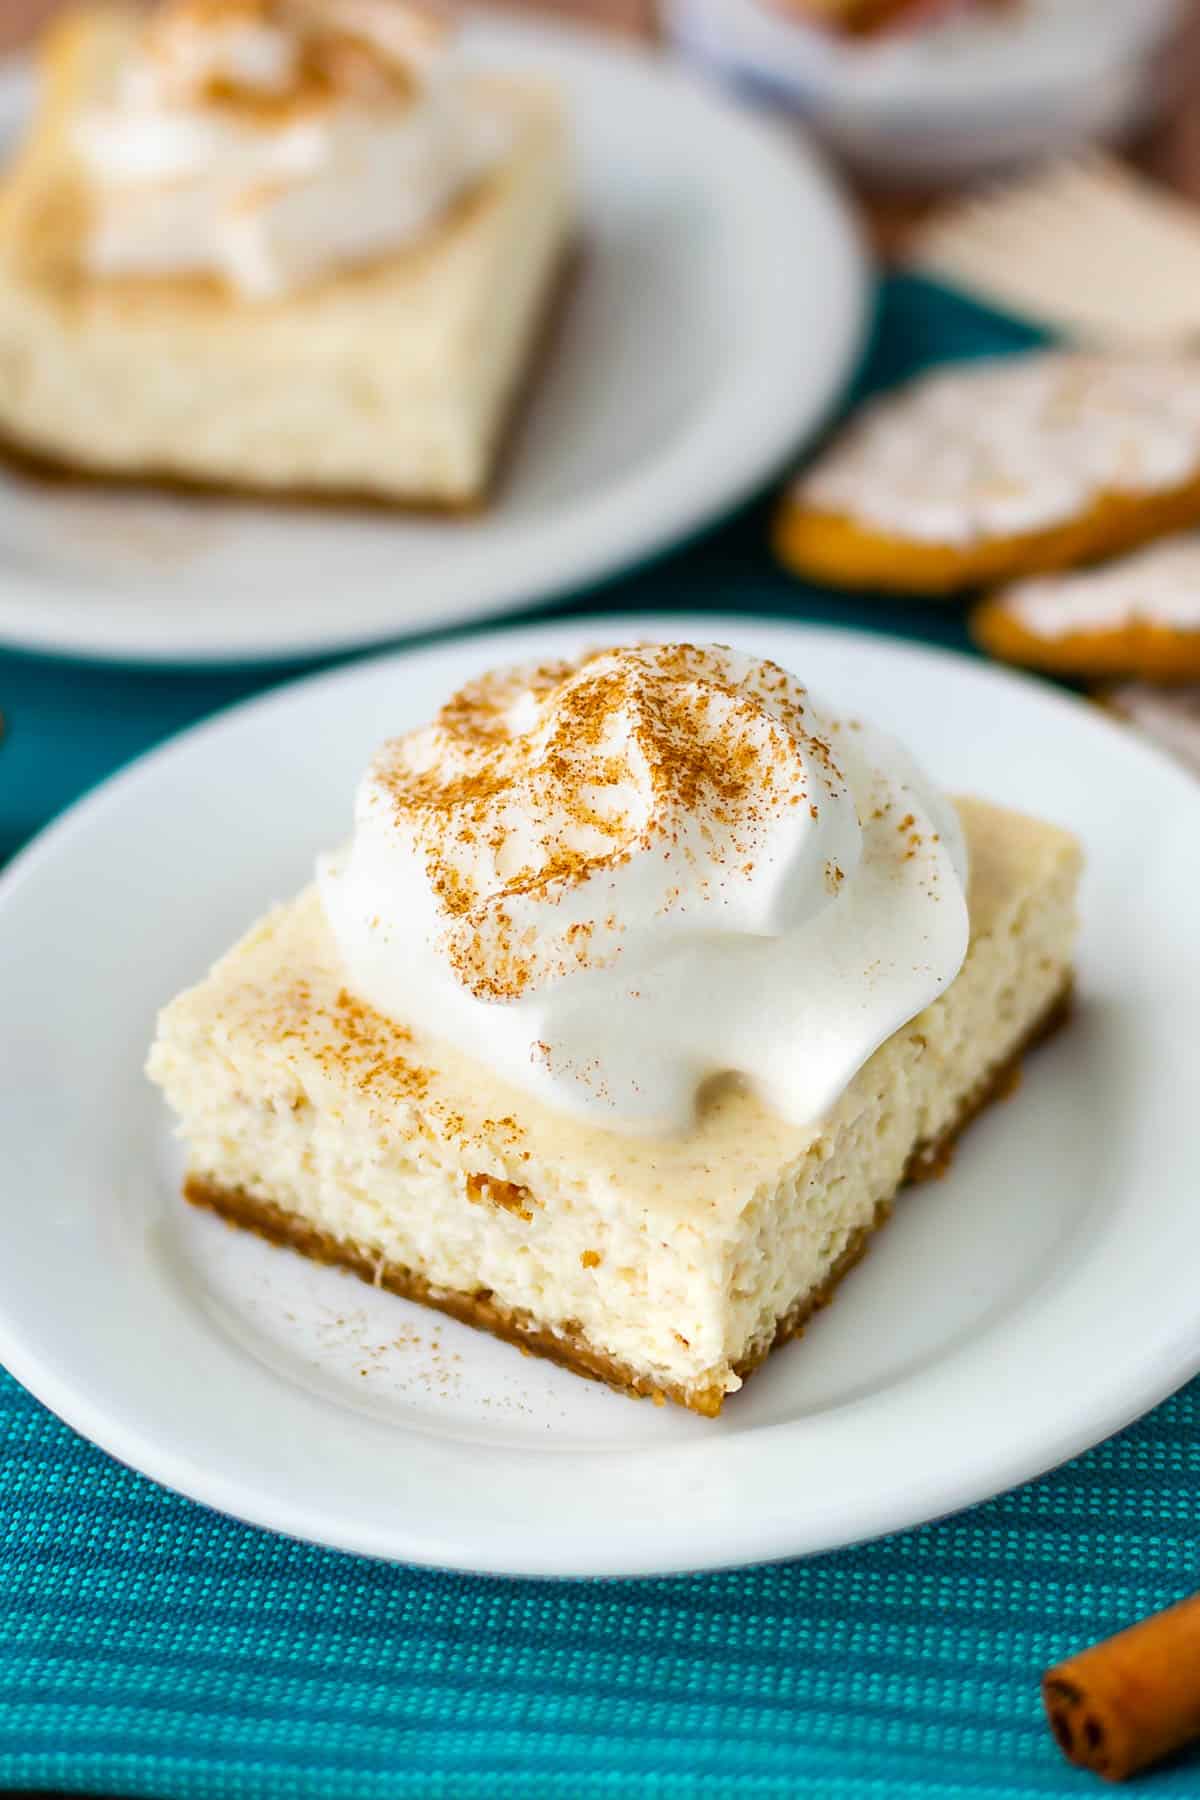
(921, 92)
(921, 96)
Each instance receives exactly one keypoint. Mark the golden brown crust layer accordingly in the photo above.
(836, 549)
(568, 1346)
(49, 469)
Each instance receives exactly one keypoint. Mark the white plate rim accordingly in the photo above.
(747, 435)
(1145, 1382)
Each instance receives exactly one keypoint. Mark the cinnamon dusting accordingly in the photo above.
(534, 784)
(352, 1041)
(367, 50)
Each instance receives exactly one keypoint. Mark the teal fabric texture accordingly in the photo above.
(150, 1647)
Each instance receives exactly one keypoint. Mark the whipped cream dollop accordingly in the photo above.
(613, 879)
(271, 142)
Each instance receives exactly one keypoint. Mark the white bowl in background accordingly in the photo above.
(970, 95)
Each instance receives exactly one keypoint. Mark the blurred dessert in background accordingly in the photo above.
(992, 469)
(280, 245)
(1084, 246)
(846, 15)
(932, 94)
(268, 145)
(1136, 616)
(862, 16)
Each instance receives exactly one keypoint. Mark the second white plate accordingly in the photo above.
(717, 311)
(1035, 1300)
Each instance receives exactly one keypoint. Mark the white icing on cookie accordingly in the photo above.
(1159, 585)
(998, 448)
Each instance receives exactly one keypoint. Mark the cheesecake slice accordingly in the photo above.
(666, 1266)
(393, 378)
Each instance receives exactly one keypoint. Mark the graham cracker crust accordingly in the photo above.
(47, 468)
(567, 1345)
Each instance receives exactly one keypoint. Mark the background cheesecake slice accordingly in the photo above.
(663, 1266)
(393, 381)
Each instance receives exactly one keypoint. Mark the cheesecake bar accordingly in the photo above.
(352, 338)
(663, 1265)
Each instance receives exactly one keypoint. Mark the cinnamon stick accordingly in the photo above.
(1132, 1700)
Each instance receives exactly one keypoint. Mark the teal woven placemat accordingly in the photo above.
(150, 1647)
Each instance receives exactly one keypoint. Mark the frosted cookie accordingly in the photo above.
(1085, 246)
(1136, 617)
(991, 470)
(1169, 717)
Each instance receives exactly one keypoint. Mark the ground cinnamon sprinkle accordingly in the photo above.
(368, 53)
(358, 1043)
(533, 783)
(321, 1022)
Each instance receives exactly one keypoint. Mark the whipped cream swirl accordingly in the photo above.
(615, 879)
(270, 142)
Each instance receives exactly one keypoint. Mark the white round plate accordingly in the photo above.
(717, 311)
(1037, 1299)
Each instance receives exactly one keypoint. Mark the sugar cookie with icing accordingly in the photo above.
(1137, 617)
(986, 472)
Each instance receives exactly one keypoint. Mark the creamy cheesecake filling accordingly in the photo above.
(618, 879)
(272, 142)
